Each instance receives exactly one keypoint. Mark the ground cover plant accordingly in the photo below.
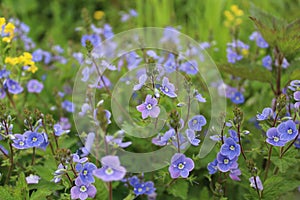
(162, 100)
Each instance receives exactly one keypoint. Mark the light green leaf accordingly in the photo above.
(179, 189)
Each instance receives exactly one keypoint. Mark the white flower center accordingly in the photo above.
(21, 143)
(195, 121)
(232, 148)
(276, 139)
(83, 188)
(181, 165)
(290, 131)
(226, 161)
(85, 172)
(34, 139)
(109, 171)
(166, 89)
(149, 106)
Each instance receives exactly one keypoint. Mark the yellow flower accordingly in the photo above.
(2, 21)
(33, 68)
(228, 15)
(9, 29)
(98, 14)
(11, 61)
(245, 52)
(236, 11)
(238, 21)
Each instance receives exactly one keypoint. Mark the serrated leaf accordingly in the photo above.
(5, 194)
(21, 187)
(287, 161)
(179, 189)
(246, 71)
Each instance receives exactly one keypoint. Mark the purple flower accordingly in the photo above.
(168, 88)
(149, 108)
(82, 190)
(230, 148)
(32, 179)
(235, 173)
(199, 97)
(260, 42)
(33, 139)
(266, 113)
(232, 54)
(192, 137)
(86, 172)
(284, 64)
(225, 164)
(180, 166)
(233, 134)
(275, 138)
(267, 62)
(258, 182)
(117, 141)
(190, 67)
(237, 98)
(164, 139)
(197, 122)
(94, 39)
(4, 73)
(34, 86)
(133, 60)
(58, 131)
(84, 109)
(77, 159)
(12, 86)
(19, 142)
(297, 143)
(142, 81)
(212, 167)
(297, 95)
(88, 144)
(111, 169)
(45, 142)
(288, 130)
(68, 106)
(170, 64)
(64, 122)
(107, 31)
(171, 36)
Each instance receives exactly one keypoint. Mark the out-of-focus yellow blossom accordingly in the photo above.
(98, 15)
(8, 29)
(25, 60)
(2, 21)
(245, 52)
(233, 16)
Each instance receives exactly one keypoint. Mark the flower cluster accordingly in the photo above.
(233, 16)
(7, 30)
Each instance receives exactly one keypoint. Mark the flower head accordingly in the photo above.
(68, 106)
(190, 134)
(197, 122)
(111, 169)
(86, 172)
(275, 138)
(168, 88)
(32, 179)
(260, 41)
(33, 139)
(212, 167)
(297, 95)
(288, 130)
(237, 98)
(19, 142)
(82, 190)
(225, 163)
(230, 148)
(267, 62)
(149, 107)
(13, 87)
(34, 86)
(258, 182)
(180, 166)
(266, 113)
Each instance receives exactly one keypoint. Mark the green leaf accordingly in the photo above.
(102, 190)
(179, 189)
(287, 161)
(5, 194)
(247, 71)
(130, 196)
(21, 187)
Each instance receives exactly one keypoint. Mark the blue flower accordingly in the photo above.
(107, 31)
(267, 62)
(34, 86)
(58, 131)
(199, 97)
(288, 130)
(258, 182)
(82, 190)
(164, 139)
(230, 148)
(197, 122)
(168, 88)
(233, 134)
(235, 173)
(86, 172)
(190, 67)
(297, 143)
(111, 169)
(212, 167)
(266, 113)
(260, 41)
(237, 98)
(12, 86)
(192, 137)
(68, 106)
(19, 142)
(275, 138)
(180, 166)
(149, 187)
(297, 96)
(45, 142)
(4, 73)
(170, 64)
(142, 81)
(225, 164)
(94, 39)
(133, 60)
(33, 139)
(149, 108)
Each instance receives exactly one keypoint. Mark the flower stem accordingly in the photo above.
(268, 162)
(291, 144)
(239, 137)
(257, 190)
(178, 142)
(33, 156)
(11, 160)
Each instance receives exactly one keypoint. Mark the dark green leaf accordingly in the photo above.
(179, 189)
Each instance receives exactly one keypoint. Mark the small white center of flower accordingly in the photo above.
(109, 171)
(226, 161)
(140, 189)
(83, 188)
(21, 143)
(232, 148)
(85, 172)
(276, 139)
(180, 166)
(149, 106)
(290, 131)
(147, 188)
(166, 89)
(34, 139)
(195, 121)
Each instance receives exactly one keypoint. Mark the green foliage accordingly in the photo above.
(179, 189)
(102, 190)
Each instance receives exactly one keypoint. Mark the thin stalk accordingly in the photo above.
(255, 182)
(33, 156)
(240, 143)
(268, 162)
